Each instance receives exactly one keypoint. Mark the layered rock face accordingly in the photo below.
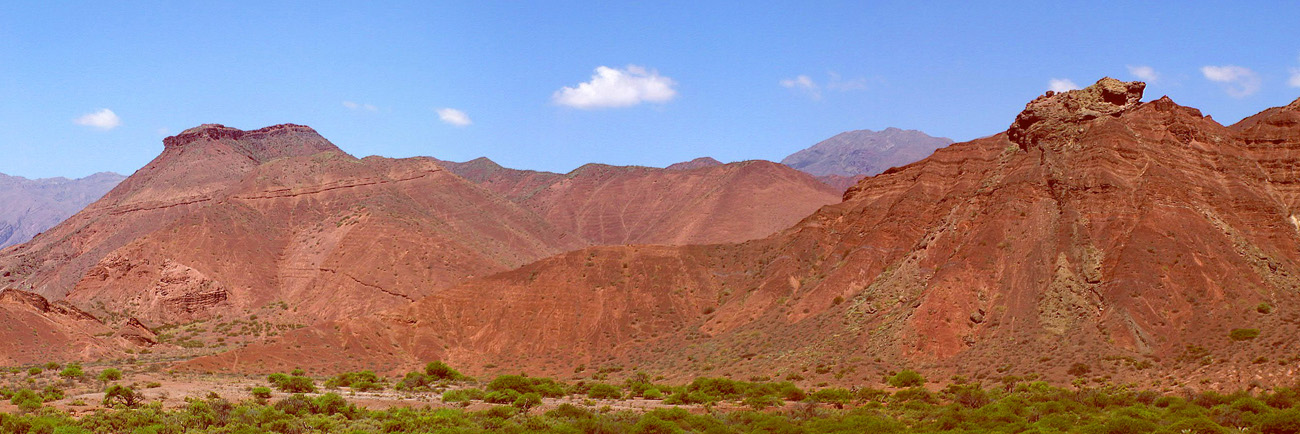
(226, 221)
(697, 202)
(32, 206)
(1133, 237)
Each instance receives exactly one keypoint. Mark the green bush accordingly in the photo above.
(292, 384)
(363, 381)
(440, 371)
(72, 372)
(260, 392)
(907, 378)
(528, 401)
(109, 375)
(118, 394)
(1243, 334)
(1281, 422)
(653, 394)
(26, 400)
(503, 396)
(835, 396)
(462, 395)
(604, 391)
(542, 386)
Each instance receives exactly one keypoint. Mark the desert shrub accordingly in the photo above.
(604, 391)
(1264, 308)
(26, 400)
(1281, 422)
(652, 394)
(72, 372)
(35, 371)
(440, 371)
(835, 396)
(503, 396)
(760, 402)
(292, 383)
(332, 403)
(295, 405)
(462, 395)
(1079, 369)
(721, 388)
(1199, 425)
(415, 382)
(969, 395)
(528, 401)
(1243, 334)
(542, 386)
(261, 393)
(907, 378)
(109, 375)
(363, 381)
(52, 366)
(124, 396)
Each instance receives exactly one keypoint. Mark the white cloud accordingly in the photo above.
(610, 87)
(103, 119)
(1061, 84)
(1144, 73)
(803, 84)
(840, 84)
(1295, 78)
(1238, 81)
(163, 131)
(454, 117)
(355, 106)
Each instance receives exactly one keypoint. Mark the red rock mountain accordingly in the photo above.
(698, 202)
(33, 205)
(1132, 237)
(225, 222)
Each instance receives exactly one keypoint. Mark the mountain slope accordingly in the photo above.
(864, 152)
(34, 205)
(1131, 237)
(697, 202)
(225, 222)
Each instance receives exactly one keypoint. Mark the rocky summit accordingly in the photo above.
(1135, 239)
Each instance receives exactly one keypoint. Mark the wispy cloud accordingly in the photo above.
(358, 106)
(803, 84)
(809, 87)
(454, 117)
(1061, 85)
(1239, 82)
(1144, 73)
(612, 87)
(103, 119)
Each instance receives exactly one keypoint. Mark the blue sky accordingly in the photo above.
(733, 80)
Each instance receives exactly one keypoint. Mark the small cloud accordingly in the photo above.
(1238, 81)
(842, 85)
(103, 119)
(454, 117)
(1295, 78)
(611, 87)
(1144, 73)
(163, 131)
(355, 106)
(1061, 85)
(803, 84)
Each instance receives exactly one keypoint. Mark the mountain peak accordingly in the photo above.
(694, 164)
(263, 144)
(1051, 118)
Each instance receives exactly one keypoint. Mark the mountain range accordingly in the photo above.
(1143, 240)
(1131, 237)
(33, 205)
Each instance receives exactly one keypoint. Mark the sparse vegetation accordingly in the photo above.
(1243, 334)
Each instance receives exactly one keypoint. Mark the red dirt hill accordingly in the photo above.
(1132, 237)
(697, 202)
(225, 221)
